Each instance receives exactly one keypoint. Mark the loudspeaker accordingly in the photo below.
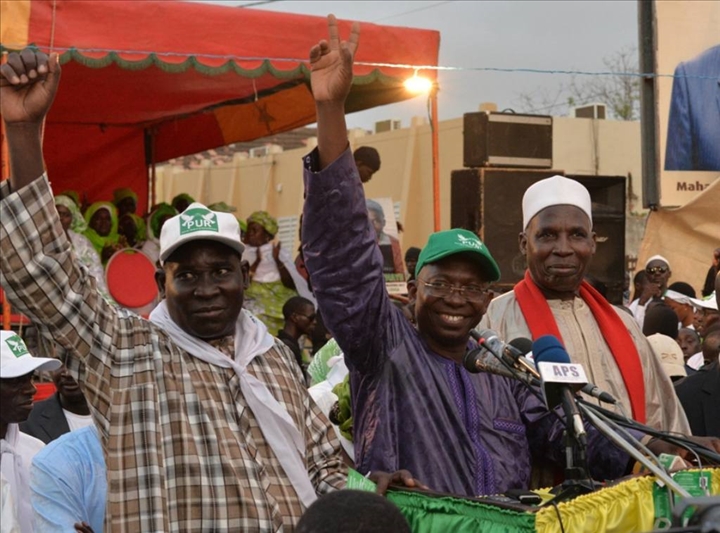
(488, 201)
(507, 140)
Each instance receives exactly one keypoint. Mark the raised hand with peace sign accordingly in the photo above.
(331, 63)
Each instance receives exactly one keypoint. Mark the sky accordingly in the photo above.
(546, 35)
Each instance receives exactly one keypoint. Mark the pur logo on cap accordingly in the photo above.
(17, 346)
(470, 242)
(194, 220)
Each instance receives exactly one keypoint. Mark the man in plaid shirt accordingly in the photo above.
(203, 416)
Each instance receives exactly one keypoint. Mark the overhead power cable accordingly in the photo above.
(260, 3)
(423, 8)
(403, 66)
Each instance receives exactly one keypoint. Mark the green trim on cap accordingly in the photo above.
(455, 241)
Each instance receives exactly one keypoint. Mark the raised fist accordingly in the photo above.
(28, 83)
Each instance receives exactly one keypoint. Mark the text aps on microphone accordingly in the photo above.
(560, 380)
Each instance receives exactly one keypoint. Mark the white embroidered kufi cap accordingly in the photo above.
(557, 190)
(657, 258)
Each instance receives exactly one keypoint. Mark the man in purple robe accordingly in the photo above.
(415, 407)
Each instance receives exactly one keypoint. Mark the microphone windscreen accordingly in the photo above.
(522, 345)
(469, 360)
(548, 349)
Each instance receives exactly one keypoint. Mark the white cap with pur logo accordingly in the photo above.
(16, 361)
(198, 222)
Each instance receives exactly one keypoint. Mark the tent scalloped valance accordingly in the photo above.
(89, 59)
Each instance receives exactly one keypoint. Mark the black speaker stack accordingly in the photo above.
(505, 153)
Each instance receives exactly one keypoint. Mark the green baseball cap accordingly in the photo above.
(455, 241)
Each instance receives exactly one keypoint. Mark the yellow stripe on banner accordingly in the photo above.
(14, 23)
(625, 507)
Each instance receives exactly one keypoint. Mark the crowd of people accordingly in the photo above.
(200, 417)
(99, 230)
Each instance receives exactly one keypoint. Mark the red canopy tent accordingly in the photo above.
(148, 81)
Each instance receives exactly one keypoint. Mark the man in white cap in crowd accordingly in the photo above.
(707, 319)
(707, 314)
(558, 243)
(681, 304)
(657, 270)
(17, 367)
(670, 355)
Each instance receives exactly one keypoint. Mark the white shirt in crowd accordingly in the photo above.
(16, 454)
(77, 421)
(696, 361)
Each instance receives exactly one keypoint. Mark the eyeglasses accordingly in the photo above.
(471, 293)
(656, 270)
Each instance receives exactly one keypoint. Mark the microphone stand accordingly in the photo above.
(612, 435)
(708, 455)
(577, 478)
(581, 483)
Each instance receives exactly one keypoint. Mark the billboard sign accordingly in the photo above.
(688, 104)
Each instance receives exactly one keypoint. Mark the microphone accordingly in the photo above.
(523, 345)
(560, 380)
(514, 355)
(596, 392)
(510, 353)
(479, 360)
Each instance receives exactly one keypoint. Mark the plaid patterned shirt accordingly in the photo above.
(184, 453)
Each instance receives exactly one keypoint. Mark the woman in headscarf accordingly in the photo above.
(125, 200)
(74, 225)
(243, 228)
(102, 221)
(273, 276)
(222, 207)
(132, 227)
(75, 196)
(155, 222)
(182, 201)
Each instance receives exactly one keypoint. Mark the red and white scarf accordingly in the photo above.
(541, 322)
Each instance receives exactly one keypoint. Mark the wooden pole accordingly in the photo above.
(435, 156)
(153, 169)
(649, 129)
(4, 174)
